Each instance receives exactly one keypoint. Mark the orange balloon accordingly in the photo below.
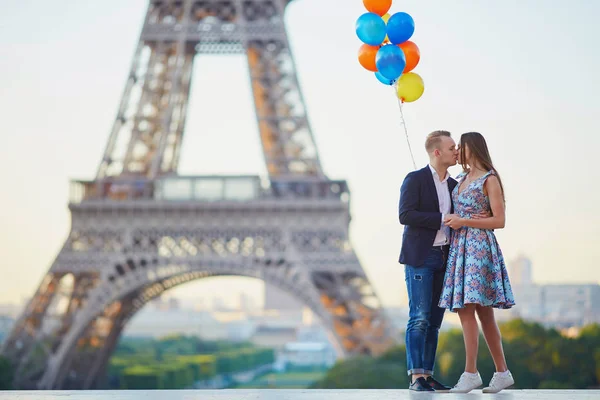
(367, 55)
(379, 7)
(412, 54)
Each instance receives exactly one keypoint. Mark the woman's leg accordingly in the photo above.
(470, 335)
(492, 336)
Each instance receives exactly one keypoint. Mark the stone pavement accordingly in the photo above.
(303, 394)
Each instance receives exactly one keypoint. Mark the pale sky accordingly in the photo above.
(523, 73)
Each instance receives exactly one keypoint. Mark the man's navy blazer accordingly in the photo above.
(419, 212)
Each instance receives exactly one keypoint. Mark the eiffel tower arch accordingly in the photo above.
(139, 229)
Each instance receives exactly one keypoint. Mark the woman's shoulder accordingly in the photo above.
(490, 176)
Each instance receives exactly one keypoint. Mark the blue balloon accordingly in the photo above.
(370, 29)
(400, 27)
(383, 79)
(390, 61)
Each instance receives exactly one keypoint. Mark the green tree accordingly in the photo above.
(450, 356)
(6, 374)
(178, 344)
(537, 357)
(364, 372)
(396, 354)
(543, 358)
(528, 350)
(588, 352)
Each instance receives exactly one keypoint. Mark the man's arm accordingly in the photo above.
(409, 201)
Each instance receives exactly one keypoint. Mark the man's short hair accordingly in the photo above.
(434, 139)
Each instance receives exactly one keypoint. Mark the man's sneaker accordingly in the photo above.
(420, 385)
(467, 382)
(437, 386)
(499, 381)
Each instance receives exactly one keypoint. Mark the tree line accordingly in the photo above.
(538, 358)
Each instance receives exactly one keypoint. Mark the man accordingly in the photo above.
(425, 199)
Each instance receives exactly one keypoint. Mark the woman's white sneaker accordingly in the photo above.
(500, 380)
(467, 382)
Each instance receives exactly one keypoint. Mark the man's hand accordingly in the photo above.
(481, 215)
(454, 221)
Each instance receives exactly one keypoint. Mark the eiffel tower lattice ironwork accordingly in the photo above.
(139, 228)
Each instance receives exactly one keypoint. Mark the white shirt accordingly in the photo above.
(443, 235)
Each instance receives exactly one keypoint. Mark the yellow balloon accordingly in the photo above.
(385, 19)
(410, 87)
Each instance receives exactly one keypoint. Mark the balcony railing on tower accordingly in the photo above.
(207, 189)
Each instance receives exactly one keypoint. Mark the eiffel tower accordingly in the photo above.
(139, 229)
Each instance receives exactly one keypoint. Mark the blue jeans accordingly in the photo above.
(424, 284)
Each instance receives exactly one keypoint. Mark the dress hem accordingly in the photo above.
(500, 306)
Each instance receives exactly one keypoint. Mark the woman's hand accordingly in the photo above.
(454, 221)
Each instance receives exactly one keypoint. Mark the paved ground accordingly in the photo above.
(303, 394)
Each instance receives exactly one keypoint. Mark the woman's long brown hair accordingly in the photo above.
(479, 153)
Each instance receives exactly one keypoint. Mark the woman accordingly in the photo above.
(476, 280)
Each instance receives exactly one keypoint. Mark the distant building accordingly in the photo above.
(274, 337)
(314, 333)
(174, 304)
(239, 331)
(529, 304)
(277, 299)
(571, 305)
(520, 271)
(554, 305)
(305, 355)
(12, 310)
(219, 304)
(558, 306)
(152, 322)
(246, 303)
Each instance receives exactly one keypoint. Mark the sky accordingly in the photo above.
(523, 73)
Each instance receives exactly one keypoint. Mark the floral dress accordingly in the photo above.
(475, 273)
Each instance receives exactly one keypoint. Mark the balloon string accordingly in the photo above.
(403, 122)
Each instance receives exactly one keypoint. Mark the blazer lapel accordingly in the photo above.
(431, 186)
(451, 185)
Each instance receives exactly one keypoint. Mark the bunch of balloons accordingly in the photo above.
(387, 51)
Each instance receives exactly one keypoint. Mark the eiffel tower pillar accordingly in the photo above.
(139, 229)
